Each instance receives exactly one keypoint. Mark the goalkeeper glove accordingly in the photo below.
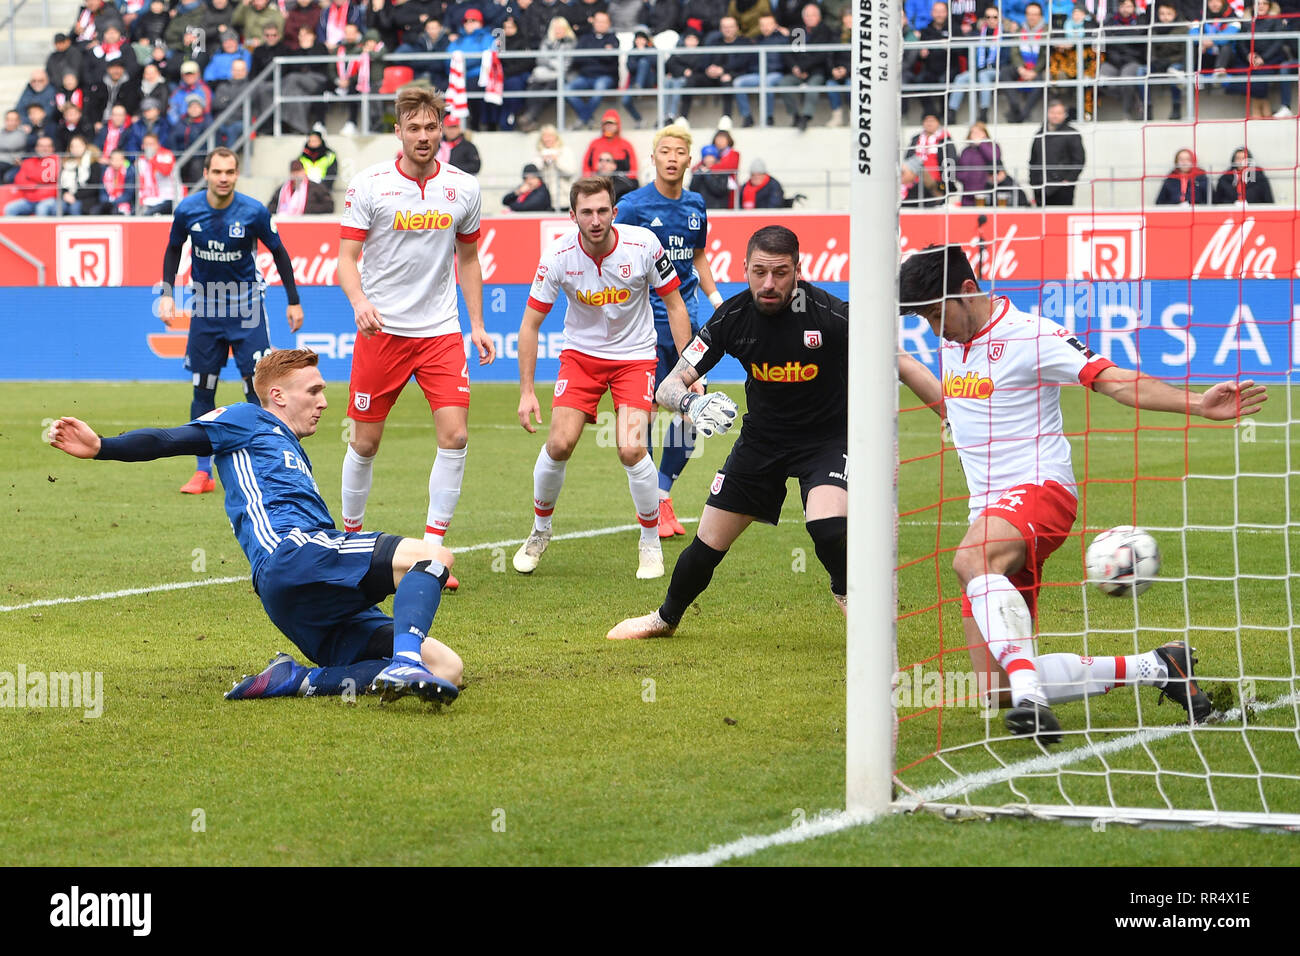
(713, 414)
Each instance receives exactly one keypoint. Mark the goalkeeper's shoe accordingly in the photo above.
(1032, 719)
(284, 677)
(1181, 685)
(668, 523)
(452, 583)
(530, 552)
(650, 562)
(402, 677)
(200, 484)
(639, 628)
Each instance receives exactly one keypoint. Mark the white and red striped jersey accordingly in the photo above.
(1002, 394)
(410, 229)
(609, 313)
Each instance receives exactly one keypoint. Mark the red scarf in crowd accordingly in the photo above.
(358, 66)
(749, 193)
(114, 136)
(1187, 181)
(336, 18)
(293, 199)
(927, 147)
(114, 183)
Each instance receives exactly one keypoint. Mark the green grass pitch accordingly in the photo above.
(566, 748)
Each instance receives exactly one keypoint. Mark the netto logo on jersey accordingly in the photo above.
(606, 296)
(404, 220)
(789, 372)
(969, 385)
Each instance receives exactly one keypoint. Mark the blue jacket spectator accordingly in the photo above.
(473, 40)
(918, 13)
(151, 121)
(218, 70)
(37, 90)
(433, 39)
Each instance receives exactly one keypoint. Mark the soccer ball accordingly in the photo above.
(1123, 560)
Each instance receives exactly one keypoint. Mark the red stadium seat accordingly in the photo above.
(395, 77)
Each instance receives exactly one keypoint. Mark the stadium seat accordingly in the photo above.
(396, 77)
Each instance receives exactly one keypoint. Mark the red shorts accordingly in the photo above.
(384, 363)
(1044, 515)
(583, 379)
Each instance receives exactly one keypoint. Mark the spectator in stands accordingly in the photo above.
(473, 41)
(839, 62)
(80, 176)
(168, 63)
(531, 195)
(13, 144)
(69, 91)
(219, 18)
(272, 45)
(935, 148)
(297, 15)
(456, 147)
(557, 163)
(153, 177)
(152, 86)
(515, 74)
(37, 90)
(979, 168)
(772, 66)
(664, 16)
(335, 18)
(152, 121)
(683, 69)
(490, 16)
(306, 79)
(74, 124)
(607, 165)
(218, 69)
(704, 15)
(37, 179)
(66, 58)
(918, 186)
(187, 18)
(187, 133)
(1065, 59)
(38, 124)
(582, 15)
(1243, 182)
(431, 39)
(594, 72)
(1272, 57)
(610, 141)
(625, 16)
(299, 196)
(1186, 184)
(532, 18)
(937, 62)
(150, 27)
(1056, 159)
(1169, 52)
(116, 133)
(1028, 63)
(807, 68)
(112, 46)
(984, 67)
(714, 176)
(917, 13)
(360, 60)
(761, 191)
(545, 75)
(642, 61)
(190, 85)
(738, 62)
(113, 89)
(1128, 61)
(319, 162)
(92, 19)
(117, 188)
(396, 20)
(1215, 53)
(227, 93)
(251, 19)
(747, 13)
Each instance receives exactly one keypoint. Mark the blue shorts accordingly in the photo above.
(666, 350)
(211, 342)
(320, 588)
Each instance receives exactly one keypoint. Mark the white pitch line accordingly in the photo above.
(838, 820)
(206, 582)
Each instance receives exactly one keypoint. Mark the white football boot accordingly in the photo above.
(638, 628)
(530, 552)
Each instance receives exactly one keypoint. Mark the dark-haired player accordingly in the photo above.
(227, 293)
(793, 340)
(318, 585)
(1002, 369)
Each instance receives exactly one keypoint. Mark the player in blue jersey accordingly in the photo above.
(318, 585)
(226, 295)
(677, 217)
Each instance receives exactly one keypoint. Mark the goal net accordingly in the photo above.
(1192, 292)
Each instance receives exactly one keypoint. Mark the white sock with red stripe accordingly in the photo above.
(444, 491)
(643, 480)
(357, 474)
(548, 479)
(1003, 618)
(1067, 677)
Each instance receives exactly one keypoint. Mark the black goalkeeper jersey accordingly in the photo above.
(796, 364)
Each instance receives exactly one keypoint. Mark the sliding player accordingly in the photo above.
(418, 222)
(318, 585)
(606, 272)
(678, 218)
(1010, 437)
(227, 292)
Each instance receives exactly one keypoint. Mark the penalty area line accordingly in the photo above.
(208, 582)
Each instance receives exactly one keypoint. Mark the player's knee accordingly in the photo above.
(456, 439)
(968, 563)
(629, 455)
(830, 541)
(365, 447)
(560, 449)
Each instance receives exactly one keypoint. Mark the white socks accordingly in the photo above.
(1003, 618)
(643, 480)
(357, 473)
(1067, 677)
(548, 479)
(444, 491)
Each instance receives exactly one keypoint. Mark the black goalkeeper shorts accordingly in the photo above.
(752, 480)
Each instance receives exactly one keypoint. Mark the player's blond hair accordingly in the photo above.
(418, 99)
(675, 131)
(276, 364)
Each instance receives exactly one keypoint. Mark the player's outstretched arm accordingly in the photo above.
(676, 384)
(76, 438)
(921, 381)
(367, 316)
(471, 285)
(529, 409)
(1225, 401)
(705, 272)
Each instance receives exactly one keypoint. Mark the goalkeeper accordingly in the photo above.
(792, 338)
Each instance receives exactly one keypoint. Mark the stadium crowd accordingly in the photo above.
(133, 84)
